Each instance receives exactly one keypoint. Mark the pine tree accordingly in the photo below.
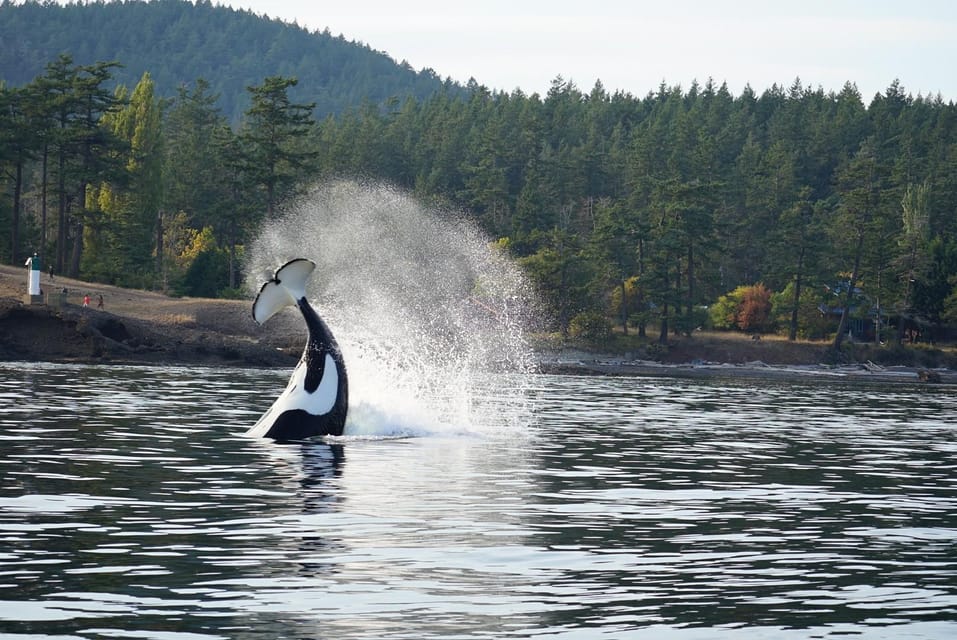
(17, 148)
(913, 260)
(859, 186)
(270, 139)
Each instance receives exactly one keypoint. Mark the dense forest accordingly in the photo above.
(231, 48)
(796, 210)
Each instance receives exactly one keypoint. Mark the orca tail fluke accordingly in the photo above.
(286, 288)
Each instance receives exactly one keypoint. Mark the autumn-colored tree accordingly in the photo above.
(755, 308)
(748, 308)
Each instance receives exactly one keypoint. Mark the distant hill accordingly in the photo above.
(178, 41)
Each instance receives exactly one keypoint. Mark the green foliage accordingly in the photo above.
(625, 299)
(67, 104)
(207, 274)
(121, 229)
(913, 260)
(562, 272)
(935, 294)
(949, 307)
(591, 326)
(270, 141)
(233, 48)
(723, 313)
(811, 323)
(747, 308)
(646, 209)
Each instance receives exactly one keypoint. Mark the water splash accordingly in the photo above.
(424, 307)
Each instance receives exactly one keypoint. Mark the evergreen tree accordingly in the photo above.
(859, 186)
(913, 259)
(123, 234)
(75, 98)
(272, 154)
(202, 181)
(614, 252)
(636, 207)
(97, 156)
(17, 147)
(797, 240)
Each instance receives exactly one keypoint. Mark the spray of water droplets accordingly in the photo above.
(432, 319)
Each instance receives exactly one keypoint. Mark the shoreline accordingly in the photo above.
(819, 373)
(147, 328)
(80, 335)
(77, 335)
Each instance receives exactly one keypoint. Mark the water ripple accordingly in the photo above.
(131, 506)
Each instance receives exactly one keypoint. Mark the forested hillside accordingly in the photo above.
(690, 207)
(178, 41)
(793, 210)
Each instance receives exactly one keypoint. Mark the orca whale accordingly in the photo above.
(316, 400)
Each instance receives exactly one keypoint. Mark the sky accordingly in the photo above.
(635, 45)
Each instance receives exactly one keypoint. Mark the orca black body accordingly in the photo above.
(316, 400)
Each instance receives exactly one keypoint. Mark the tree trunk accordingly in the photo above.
(43, 202)
(641, 288)
(15, 222)
(159, 251)
(675, 326)
(77, 251)
(877, 307)
(624, 307)
(232, 254)
(663, 333)
(61, 216)
(793, 327)
(842, 326)
(908, 280)
(690, 312)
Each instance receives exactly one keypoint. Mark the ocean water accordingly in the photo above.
(132, 506)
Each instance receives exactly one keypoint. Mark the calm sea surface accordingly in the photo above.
(131, 506)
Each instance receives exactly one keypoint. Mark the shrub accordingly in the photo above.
(723, 311)
(812, 324)
(747, 308)
(590, 325)
(754, 311)
(207, 274)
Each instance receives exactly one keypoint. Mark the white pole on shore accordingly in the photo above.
(34, 279)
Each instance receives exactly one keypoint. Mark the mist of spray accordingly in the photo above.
(428, 313)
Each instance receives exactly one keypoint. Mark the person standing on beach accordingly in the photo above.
(99, 301)
(86, 300)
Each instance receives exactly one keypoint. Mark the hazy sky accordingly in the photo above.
(634, 45)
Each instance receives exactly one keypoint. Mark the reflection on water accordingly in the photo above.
(131, 506)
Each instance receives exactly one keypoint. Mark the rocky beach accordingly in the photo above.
(135, 327)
